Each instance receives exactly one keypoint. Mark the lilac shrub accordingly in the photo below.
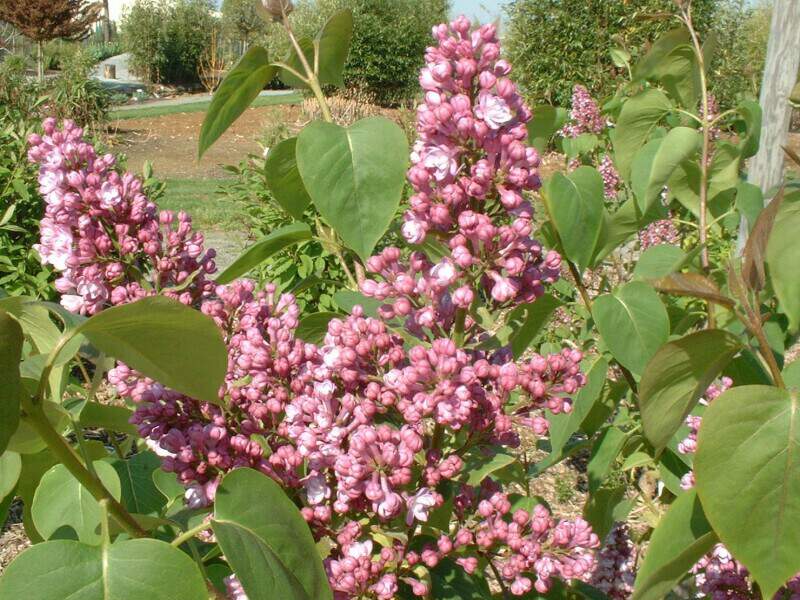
(365, 430)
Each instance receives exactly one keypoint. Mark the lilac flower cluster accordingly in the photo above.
(611, 179)
(659, 232)
(99, 229)
(364, 427)
(615, 572)
(584, 116)
(470, 168)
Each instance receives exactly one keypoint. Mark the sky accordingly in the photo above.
(485, 10)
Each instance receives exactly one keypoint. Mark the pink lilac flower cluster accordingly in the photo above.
(584, 116)
(719, 576)
(615, 572)
(470, 169)
(611, 179)
(364, 427)
(659, 232)
(99, 227)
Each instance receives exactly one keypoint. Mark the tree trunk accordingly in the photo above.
(40, 60)
(106, 22)
(780, 74)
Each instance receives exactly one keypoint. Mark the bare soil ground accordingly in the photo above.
(170, 141)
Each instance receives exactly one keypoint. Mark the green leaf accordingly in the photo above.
(671, 61)
(348, 299)
(604, 455)
(682, 537)
(283, 178)
(313, 328)
(546, 121)
(274, 242)
(633, 323)
(167, 484)
(266, 541)
(128, 569)
(61, 502)
(600, 509)
(585, 143)
(620, 57)
(451, 582)
(34, 466)
(355, 176)
(575, 203)
(332, 46)
(109, 417)
(10, 469)
(747, 469)
(749, 202)
(751, 114)
(139, 493)
(783, 248)
(177, 346)
(654, 164)
(240, 87)
(527, 321)
(10, 383)
(677, 376)
(563, 425)
(637, 120)
(659, 261)
(479, 466)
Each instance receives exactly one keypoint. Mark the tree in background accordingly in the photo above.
(741, 30)
(44, 20)
(554, 44)
(241, 20)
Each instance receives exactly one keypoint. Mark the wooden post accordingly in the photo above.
(780, 74)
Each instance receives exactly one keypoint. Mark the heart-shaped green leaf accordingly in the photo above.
(283, 178)
(10, 383)
(747, 469)
(62, 502)
(355, 176)
(639, 117)
(313, 328)
(543, 125)
(10, 468)
(783, 247)
(677, 376)
(274, 242)
(240, 87)
(575, 204)
(682, 536)
(654, 164)
(177, 346)
(139, 492)
(266, 541)
(633, 323)
(128, 569)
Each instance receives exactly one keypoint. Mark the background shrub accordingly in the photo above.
(554, 44)
(389, 41)
(74, 95)
(166, 39)
(21, 207)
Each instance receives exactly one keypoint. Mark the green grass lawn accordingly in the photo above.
(200, 106)
(208, 209)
